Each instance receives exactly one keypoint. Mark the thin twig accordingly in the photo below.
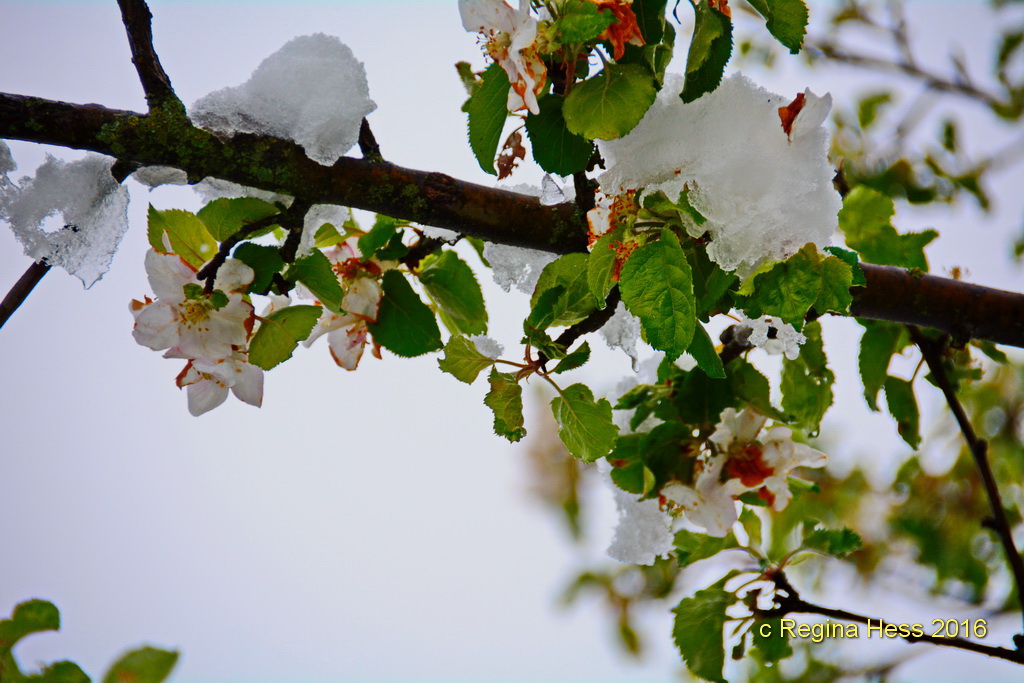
(932, 351)
(209, 271)
(138, 24)
(932, 80)
(592, 323)
(788, 601)
(21, 289)
(368, 143)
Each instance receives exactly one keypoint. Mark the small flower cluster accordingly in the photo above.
(347, 334)
(210, 330)
(516, 40)
(772, 335)
(739, 462)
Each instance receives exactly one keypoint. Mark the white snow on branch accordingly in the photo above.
(313, 91)
(764, 193)
(155, 176)
(93, 210)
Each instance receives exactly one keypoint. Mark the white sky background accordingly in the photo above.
(360, 525)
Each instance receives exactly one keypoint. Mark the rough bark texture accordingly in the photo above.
(166, 138)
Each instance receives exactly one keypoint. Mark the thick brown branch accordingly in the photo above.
(282, 166)
(21, 289)
(958, 308)
(435, 199)
(932, 350)
(788, 601)
(138, 24)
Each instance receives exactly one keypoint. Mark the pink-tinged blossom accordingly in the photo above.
(208, 382)
(346, 336)
(762, 464)
(741, 462)
(510, 39)
(710, 503)
(196, 325)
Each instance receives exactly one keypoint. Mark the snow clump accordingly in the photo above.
(764, 193)
(93, 210)
(313, 91)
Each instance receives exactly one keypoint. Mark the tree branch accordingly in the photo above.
(155, 83)
(932, 350)
(788, 601)
(929, 79)
(21, 289)
(439, 200)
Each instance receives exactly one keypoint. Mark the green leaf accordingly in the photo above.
(851, 259)
(574, 360)
(697, 631)
(32, 616)
(710, 49)
(405, 325)
(145, 665)
(224, 217)
(463, 360)
(837, 543)
(506, 400)
(315, 272)
(555, 149)
(188, 235)
(771, 640)
(582, 21)
(610, 104)
(807, 382)
(264, 260)
(584, 425)
(752, 525)
(327, 236)
(59, 672)
(902, 405)
(880, 341)
(866, 222)
(692, 547)
(790, 288)
(575, 302)
(451, 285)
(487, 109)
(657, 287)
(785, 19)
(703, 351)
(650, 17)
(868, 108)
(750, 386)
(279, 333)
(601, 265)
(384, 228)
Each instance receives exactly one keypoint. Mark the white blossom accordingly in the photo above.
(510, 39)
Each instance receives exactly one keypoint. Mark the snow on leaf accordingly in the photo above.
(728, 145)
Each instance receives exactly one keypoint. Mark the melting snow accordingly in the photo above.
(764, 195)
(313, 91)
(93, 210)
